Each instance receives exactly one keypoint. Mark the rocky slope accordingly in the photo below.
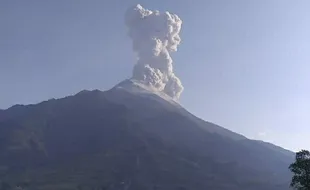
(130, 138)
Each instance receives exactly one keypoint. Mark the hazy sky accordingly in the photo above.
(244, 64)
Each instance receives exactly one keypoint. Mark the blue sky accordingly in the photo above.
(244, 64)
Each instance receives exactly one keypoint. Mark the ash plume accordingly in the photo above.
(155, 35)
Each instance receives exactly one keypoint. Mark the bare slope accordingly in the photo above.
(130, 137)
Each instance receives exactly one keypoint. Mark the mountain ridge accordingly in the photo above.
(147, 91)
(104, 128)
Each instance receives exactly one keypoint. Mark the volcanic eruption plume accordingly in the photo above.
(155, 35)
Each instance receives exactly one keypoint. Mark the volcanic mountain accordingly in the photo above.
(130, 138)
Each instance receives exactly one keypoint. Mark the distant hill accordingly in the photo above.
(130, 138)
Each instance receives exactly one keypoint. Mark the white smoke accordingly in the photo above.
(155, 35)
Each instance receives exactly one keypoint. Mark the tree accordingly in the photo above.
(301, 170)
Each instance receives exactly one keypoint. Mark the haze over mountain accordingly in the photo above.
(135, 135)
(244, 64)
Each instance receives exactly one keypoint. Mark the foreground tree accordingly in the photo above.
(301, 171)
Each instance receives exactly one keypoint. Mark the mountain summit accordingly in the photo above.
(130, 137)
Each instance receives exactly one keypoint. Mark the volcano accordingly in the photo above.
(130, 137)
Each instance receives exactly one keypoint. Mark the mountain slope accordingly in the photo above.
(130, 138)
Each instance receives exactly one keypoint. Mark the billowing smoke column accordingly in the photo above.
(155, 35)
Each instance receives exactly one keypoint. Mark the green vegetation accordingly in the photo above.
(301, 170)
